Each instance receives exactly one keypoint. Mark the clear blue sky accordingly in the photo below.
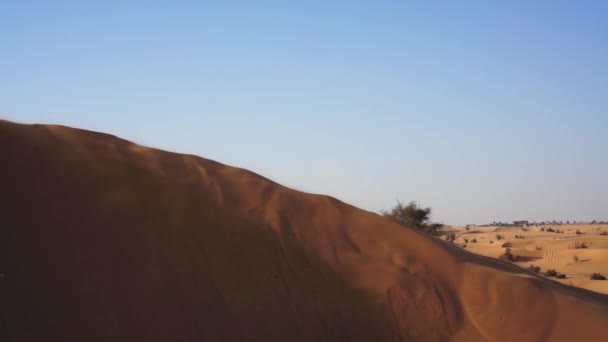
(484, 110)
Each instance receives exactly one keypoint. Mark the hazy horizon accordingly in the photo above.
(485, 112)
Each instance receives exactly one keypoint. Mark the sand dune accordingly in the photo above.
(105, 240)
(548, 250)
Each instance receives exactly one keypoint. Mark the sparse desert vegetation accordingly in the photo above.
(550, 273)
(570, 257)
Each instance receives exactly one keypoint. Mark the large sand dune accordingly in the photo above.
(105, 240)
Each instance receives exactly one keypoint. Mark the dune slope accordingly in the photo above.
(105, 240)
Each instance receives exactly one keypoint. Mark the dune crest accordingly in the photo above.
(105, 240)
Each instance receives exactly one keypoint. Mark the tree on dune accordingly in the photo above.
(413, 215)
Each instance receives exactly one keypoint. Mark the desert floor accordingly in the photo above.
(548, 250)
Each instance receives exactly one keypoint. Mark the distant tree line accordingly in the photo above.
(541, 223)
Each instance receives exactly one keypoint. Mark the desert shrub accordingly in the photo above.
(581, 245)
(578, 232)
(604, 233)
(597, 276)
(557, 231)
(466, 228)
(575, 258)
(464, 245)
(550, 230)
(561, 276)
(508, 255)
(542, 229)
(499, 237)
(413, 215)
(534, 269)
(550, 273)
(491, 242)
(474, 241)
(466, 240)
(538, 248)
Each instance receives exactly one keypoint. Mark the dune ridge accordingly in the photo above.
(106, 240)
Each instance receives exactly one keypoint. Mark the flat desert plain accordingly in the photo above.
(575, 255)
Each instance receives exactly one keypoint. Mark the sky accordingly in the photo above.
(483, 110)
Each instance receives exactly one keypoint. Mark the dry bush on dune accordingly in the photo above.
(413, 215)
(508, 255)
(550, 273)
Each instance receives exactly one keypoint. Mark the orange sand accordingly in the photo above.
(104, 240)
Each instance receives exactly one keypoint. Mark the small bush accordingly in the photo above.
(550, 273)
(561, 276)
(551, 230)
(597, 276)
(604, 233)
(578, 232)
(581, 245)
(474, 241)
(491, 242)
(464, 245)
(534, 269)
(466, 240)
(508, 255)
(575, 258)
(499, 237)
(542, 229)
(538, 248)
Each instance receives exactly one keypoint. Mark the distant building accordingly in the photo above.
(520, 223)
